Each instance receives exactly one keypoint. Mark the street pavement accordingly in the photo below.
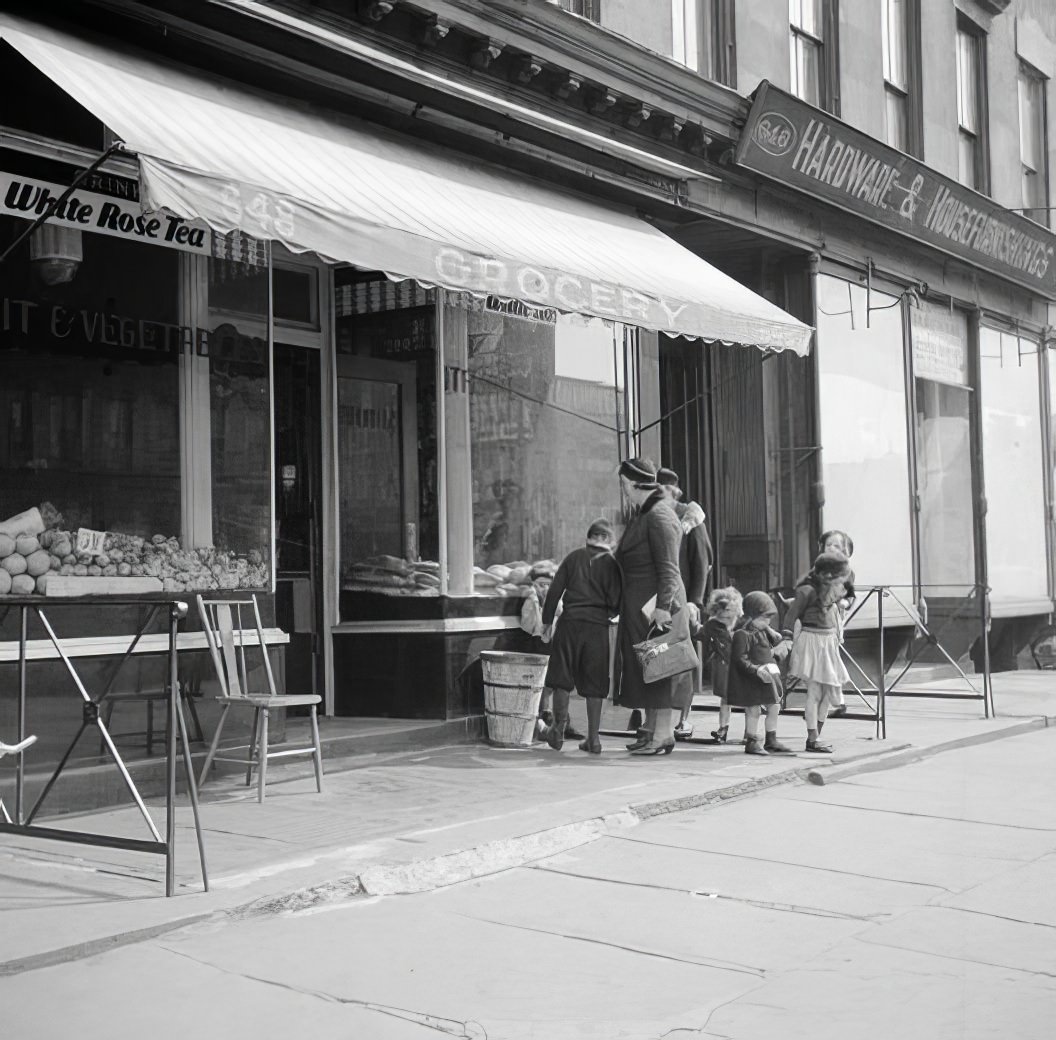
(915, 902)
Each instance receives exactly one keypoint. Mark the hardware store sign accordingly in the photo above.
(29, 197)
(808, 149)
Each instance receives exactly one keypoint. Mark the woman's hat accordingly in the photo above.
(758, 604)
(638, 471)
(667, 476)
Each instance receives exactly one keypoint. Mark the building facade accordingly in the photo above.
(243, 366)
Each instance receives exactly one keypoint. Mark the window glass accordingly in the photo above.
(1032, 143)
(545, 394)
(89, 396)
(944, 470)
(967, 163)
(240, 418)
(896, 119)
(388, 503)
(806, 69)
(967, 81)
(806, 15)
(1013, 467)
(865, 459)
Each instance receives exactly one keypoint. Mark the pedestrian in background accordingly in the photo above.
(587, 585)
(648, 559)
(754, 678)
(815, 654)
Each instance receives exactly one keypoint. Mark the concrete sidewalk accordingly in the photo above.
(392, 822)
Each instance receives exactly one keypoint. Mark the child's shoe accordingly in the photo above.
(753, 747)
(774, 746)
(818, 748)
(719, 735)
(684, 730)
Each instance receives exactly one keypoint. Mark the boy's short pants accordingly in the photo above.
(579, 658)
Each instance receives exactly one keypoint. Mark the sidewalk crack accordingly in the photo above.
(462, 1030)
(932, 816)
(742, 969)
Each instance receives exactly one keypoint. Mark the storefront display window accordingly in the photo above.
(240, 420)
(388, 502)
(1013, 469)
(865, 458)
(89, 397)
(546, 391)
(944, 459)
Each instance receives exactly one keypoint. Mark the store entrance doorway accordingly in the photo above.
(298, 513)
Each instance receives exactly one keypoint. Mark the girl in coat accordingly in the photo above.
(815, 654)
(648, 559)
(755, 679)
(723, 611)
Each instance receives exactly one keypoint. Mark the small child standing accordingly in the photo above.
(722, 611)
(587, 585)
(754, 678)
(840, 541)
(815, 654)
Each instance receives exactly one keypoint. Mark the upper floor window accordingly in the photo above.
(702, 38)
(584, 8)
(901, 51)
(1033, 147)
(973, 166)
(813, 52)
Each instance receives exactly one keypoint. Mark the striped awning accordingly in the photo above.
(351, 192)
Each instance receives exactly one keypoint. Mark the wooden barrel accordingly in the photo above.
(513, 684)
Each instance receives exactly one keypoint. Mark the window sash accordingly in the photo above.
(1031, 120)
(806, 68)
(896, 43)
(967, 81)
(896, 117)
(807, 16)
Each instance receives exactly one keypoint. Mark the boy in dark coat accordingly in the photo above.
(587, 585)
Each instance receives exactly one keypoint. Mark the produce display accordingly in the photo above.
(42, 549)
(399, 577)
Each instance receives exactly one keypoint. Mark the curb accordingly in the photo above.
(908, 754)
(454, 868)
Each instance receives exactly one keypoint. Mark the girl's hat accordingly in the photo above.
(758, 604)
(832, 563)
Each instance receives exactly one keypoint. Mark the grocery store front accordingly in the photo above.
(395, 385)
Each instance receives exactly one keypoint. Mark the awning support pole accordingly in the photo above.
(56, 203)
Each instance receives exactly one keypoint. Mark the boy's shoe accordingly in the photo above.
(571, 733)
(754, 747)
(555, 734)
(774, 746)
(818, 748)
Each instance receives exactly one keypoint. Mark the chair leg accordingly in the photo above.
(214, 745)
(262, 775)
(252, 746)
(318, 756)
(199, 735)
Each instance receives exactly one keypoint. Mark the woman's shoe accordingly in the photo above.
(643, 738)
(586, 745)
(818, 748)
(753, 747)
(719, 734)
(683, 731)
(665, 747)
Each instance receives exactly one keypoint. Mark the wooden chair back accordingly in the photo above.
(226, 622)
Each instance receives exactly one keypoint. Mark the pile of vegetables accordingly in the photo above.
(30, 558)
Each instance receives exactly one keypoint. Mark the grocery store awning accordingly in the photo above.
(351, 192)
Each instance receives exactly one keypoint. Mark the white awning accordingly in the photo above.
(215, 151)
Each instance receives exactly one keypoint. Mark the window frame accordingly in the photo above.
(1027, 73)
(981, 136)
(827, 45)
(589, 9)
(910, 94)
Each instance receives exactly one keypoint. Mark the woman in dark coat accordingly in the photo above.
(648, 558)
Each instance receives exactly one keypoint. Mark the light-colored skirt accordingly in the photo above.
(816, 657)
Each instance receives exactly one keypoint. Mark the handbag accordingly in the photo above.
(668, 653)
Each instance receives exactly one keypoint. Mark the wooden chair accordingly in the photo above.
(225, 634)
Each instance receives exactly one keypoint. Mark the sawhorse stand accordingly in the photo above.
(91, 719)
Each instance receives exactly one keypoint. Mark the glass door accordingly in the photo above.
(298, 513)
